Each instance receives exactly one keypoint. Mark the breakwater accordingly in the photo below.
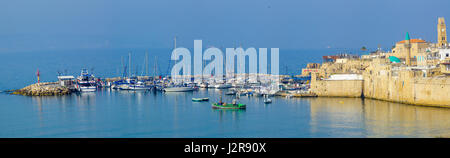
(43, 89)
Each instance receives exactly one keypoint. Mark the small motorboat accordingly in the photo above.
(203, 85)
(232, 92)
(222, 86)
(267, 100)
(200, 99)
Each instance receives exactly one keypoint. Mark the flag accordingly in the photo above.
(38, 74)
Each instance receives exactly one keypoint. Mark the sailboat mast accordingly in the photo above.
(174, 47)
(123, 67)
(146, 63)
(129, 64)
(155, 68)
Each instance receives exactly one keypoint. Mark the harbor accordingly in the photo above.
(256, 69)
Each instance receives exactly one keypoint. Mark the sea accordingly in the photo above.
(129, 114)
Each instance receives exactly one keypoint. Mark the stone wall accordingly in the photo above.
(406, 86)
(384, 82)
(336, 88)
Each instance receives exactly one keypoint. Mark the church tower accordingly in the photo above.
(442, 32)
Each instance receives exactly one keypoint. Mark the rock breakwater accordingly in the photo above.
(43, 89)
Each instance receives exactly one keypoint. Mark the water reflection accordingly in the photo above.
(374, 118)
(87, 98)
(226, 113)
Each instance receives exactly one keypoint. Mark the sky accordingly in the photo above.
(28, 25)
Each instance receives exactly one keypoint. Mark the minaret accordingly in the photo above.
(442, 32)
(408, 49)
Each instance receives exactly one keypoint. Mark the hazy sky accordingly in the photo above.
(286, 24)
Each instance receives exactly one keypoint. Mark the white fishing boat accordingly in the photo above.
(86, 82)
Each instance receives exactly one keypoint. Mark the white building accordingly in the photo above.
(444, 53)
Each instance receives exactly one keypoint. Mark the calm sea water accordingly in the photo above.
(136, 114)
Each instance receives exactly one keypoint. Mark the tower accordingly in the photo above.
(408, 49)
(442, 32)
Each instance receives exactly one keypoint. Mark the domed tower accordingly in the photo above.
(442, 32)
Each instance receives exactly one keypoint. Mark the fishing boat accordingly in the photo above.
(233, 105)
(228, 106)
(86, 82)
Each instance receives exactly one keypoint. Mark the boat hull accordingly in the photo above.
(87, 89)
(229, 106)
(179, 89)
(200, 99)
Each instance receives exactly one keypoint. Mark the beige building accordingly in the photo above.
(445, 66)
(415, 47)
(310, 68)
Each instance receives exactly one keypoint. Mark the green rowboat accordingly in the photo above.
(228, 106)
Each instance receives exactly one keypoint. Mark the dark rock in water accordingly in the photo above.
(43, 89)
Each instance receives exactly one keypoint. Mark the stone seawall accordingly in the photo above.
(404, 87)
(337, 88)
(395, 86)
(43, 89)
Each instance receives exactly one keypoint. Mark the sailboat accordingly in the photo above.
(181, 87)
